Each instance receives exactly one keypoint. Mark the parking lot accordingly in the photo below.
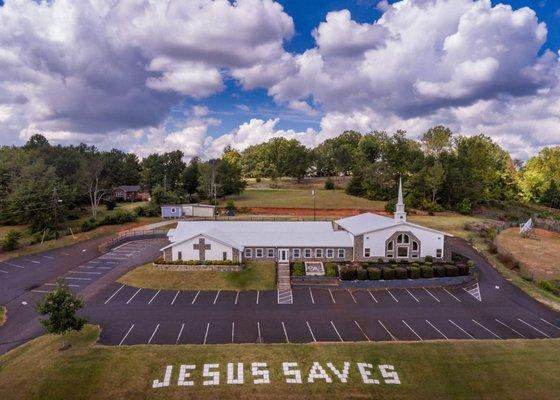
(143, 316)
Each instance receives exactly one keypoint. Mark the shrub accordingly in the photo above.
(348, 273)
(440, 271)
(429, 259)
(428, 264)
(110, 203)
(427, 271)
(230, 206)
(401, 273)
(415, 264)
(380, 260)
(550, 286)
(470, 264)
(161, 261)
(361, 274)
(329, 184)
(464, 207)
(258, 179)
(414, 272)
(331, 269)
(88, 225)
(463, 269)
(298, 269)
(119, 217)
(387, 273)
(11, 240)
(393, 262)
(374, 274)
(451, 270)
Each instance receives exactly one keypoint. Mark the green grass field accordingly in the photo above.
(255, 276)
(513, 369)
(301, 198)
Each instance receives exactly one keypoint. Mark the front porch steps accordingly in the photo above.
(283, 284)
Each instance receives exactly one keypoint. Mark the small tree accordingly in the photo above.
(60, 307)
(10, 242)
(230, 206)
(329, 184)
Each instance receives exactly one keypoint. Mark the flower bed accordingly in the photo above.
(196, 265)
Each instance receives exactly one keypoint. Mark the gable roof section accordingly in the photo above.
(129, 188)
(409, 224)
(362, 223)
(213, 234)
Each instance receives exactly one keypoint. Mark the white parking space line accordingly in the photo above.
(76, 279)
(361, 330)
(387, 330)
(54, 284)
(180, 333)
(48, 257)
(258, 294)
(311, 295)
(332, 297)
(103, 267)
(510, 328)
(153, 334)
(413, 331)
(351, 295)
(94, 262)
(431, 294)
(114, 294)
(206, 334)
(41, 291)
(175, 298)
(13, 265)
(413, 296)
(485, 328)
(537, 329)
(451, 294)
(126, 334)
(372, 296)
(195, 297)
(216, 298)
(232, 332)
(85, 267)
(310, 331)
(438, 331)
(462, 330)
(550, 323)
(133, 296)
(259, 331)
(394, 298)
(336, 330)
(236, 297)
(285, 333)
(65, 254)
(155, 295)
(35, 262)
(84, 272)
(4, 272)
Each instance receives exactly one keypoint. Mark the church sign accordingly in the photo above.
(291, 373)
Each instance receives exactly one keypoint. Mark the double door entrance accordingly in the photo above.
(283, 255)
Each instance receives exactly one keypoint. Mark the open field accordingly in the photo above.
(514, 369)
(255, 276)
(447, 222)
(301, 198)
(292, 183)
(538, 253)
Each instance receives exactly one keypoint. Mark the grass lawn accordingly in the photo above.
(447, 222)
(255, 276)
(513, 369)
(2, 315)
(301, 198)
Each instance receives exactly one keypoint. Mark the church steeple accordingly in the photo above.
(400, 213)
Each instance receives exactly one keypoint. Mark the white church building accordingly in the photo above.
(363, 237)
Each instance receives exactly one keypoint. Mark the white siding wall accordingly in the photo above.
(429, 241)
(215, 253)
(203, 211)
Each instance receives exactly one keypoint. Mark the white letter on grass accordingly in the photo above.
(257, 371)
(231, 380)
(366, 374)
(215, 375)
(343, 376)
(317, 372)
(166, 378)
(391, 378)
(291, 372)
(184, 374)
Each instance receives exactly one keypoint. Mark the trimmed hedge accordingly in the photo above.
(440, 271)
(427, 271)
(414, 272)
(429, 259)
(161, 261)
(348, 273)
(362, 274)
(331, 269)
(388, 273)
(463, 269)
(374, 274)
(451, 270)
(298, 268)
(401, 273)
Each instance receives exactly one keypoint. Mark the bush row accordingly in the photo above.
(350, 273)
(117, 218)
(161, 261)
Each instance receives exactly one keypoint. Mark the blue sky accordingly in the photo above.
(197, 75)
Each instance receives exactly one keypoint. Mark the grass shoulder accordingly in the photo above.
(255, 276)
(513, 369)
(3, 313)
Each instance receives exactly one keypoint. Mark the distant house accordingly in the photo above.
(130, 193)
(187, 210)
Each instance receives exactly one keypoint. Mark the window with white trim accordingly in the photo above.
(307, 253)
(248, 253)
(439, 253)
(414, 245)
(296, 253)
(179, 255)
(259, 253)
(367, 252)
(270, 253)
(224, 255)
(341, 253)
(330, 253)
(390, 246)
(318, 253)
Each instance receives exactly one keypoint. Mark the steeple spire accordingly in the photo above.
(400, 213)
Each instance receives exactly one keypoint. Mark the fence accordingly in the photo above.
(130, 235)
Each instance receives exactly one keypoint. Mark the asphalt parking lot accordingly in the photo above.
(141, 316)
